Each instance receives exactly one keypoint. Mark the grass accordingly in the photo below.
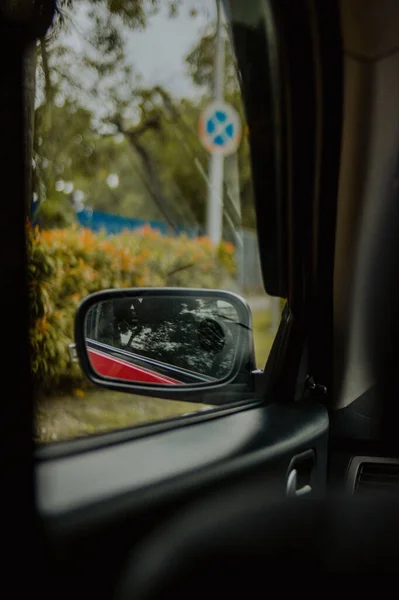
(96, 410)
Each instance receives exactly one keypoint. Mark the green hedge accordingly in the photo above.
(68, 264)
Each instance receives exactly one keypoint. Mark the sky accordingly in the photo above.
(159, 51)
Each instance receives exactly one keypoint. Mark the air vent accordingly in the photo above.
(377, 476)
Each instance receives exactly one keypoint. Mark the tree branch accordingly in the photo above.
(151, 180)
(178, 269)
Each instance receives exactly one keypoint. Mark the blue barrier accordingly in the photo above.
(97, 221)
(112, 224)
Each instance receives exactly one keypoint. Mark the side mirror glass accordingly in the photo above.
(165, 339)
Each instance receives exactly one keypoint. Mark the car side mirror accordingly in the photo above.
(188, 344)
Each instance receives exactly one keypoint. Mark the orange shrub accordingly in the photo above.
(68, 264)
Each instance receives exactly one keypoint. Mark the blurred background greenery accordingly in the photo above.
(111, 132)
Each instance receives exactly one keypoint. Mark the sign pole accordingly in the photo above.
(214, 217)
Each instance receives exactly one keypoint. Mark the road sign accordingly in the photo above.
(219, 128)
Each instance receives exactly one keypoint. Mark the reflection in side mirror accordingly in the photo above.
(165, 338)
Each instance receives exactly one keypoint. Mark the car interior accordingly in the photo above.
(304, 473)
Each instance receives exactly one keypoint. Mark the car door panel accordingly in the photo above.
(95, 506)
(248, 437)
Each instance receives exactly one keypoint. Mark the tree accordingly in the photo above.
(175, 149)
(97, 80)
(201, 60)
(95, 119)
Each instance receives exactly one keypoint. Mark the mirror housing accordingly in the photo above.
(194, 345)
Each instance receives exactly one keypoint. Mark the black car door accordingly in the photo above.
(97, 498)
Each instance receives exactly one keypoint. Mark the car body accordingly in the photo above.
(119, 363)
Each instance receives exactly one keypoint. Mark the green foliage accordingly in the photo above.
(88, 98)
(201, 60)
(68, 264)
(56, 212)
(178, 154)
(64, 147)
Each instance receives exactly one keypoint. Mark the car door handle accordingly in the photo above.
(299, 474)
(292, 490)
